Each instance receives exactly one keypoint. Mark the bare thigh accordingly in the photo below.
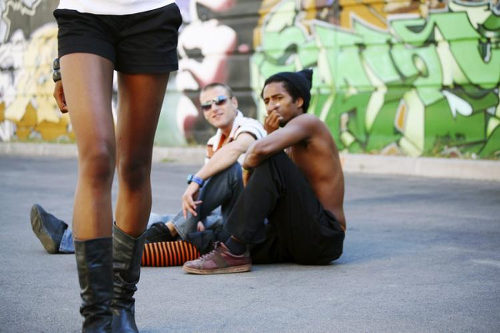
(87, 81)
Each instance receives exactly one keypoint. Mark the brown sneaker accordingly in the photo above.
(219, 261)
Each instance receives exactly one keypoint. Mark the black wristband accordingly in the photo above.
(55, 64)
(56, 75)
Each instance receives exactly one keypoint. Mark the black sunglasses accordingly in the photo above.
(219, 100)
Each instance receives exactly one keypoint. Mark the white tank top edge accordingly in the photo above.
(113, 7)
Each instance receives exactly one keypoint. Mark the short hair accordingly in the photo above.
(290, 89)
(218, 84)
(297, 84)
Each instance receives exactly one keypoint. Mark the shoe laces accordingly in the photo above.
(217, 246)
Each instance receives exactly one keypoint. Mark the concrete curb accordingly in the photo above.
(184, 155)
(373, 164)
(423, 166)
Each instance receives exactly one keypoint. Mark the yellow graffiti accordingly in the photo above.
(2, 112)
(33, 110)
(265, 9)
(370, 11)
(377, 13)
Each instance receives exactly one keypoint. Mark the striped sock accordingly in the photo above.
(163, 254)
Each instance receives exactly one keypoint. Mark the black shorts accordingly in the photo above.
(136, 43)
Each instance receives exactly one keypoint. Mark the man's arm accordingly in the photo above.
(221, 160)
(296, 130)
(226, 156)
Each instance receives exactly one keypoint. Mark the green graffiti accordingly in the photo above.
(452, 26)
(420, 87)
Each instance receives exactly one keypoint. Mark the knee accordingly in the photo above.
(279, 158)
(235, 178)
(276, 162)
(234, 174)
(235, 168)
(97, 166)
(272, 170)
(134, 173)
(228, 176)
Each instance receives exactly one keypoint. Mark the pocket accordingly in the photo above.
(64, 14)
(170, 14)
(179, 16)
(69, 20)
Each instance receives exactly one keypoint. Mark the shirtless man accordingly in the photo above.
(292, 207)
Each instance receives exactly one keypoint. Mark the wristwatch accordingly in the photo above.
(197, 180)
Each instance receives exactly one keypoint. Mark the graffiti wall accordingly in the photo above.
(401, 77)
(393, 77)
(28, 45)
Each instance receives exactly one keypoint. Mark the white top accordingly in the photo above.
(241, 124)
(113, 7)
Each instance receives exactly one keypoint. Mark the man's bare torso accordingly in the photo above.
(318, 158)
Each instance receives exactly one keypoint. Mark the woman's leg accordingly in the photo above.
(87, 81)
(140, 101)
(139, 105)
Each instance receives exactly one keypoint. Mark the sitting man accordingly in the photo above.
(291, 209)
(208, 199)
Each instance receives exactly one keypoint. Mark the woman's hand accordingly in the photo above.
(59, 97)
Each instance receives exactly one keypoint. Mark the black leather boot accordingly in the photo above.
(95, 273)
(127, 253)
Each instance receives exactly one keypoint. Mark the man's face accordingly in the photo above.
(218, 108)
(277, 99)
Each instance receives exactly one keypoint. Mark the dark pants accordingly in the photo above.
(220, 191)
(280, 216)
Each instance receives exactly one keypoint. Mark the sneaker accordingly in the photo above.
(159, 232)
(219, 261)
(47, 228)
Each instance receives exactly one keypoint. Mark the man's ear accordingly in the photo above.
(300, 102)
(234, 100)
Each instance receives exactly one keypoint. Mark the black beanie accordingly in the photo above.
(301, 80)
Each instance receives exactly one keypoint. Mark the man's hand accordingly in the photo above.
(59, 97)
(200, 226)
(189, 201)
(272, 122)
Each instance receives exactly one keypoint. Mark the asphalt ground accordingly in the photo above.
(420, 255)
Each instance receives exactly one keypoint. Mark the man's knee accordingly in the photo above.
(228, 176)
(272, 162)
(279, 158)
(234, 170)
